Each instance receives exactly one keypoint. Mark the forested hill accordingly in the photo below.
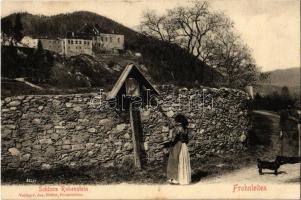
(58, 25)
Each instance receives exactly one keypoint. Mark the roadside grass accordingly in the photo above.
(150, 174)
(85, 175)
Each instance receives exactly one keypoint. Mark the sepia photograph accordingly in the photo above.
(162, 99)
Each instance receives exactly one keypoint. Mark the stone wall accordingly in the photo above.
(42, 132)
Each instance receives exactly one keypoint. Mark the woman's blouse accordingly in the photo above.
(181, 135)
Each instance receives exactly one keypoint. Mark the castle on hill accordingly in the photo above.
(89, 40)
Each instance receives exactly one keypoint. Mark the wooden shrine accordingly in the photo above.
(131, 92)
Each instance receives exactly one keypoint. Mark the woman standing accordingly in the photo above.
(178, 167)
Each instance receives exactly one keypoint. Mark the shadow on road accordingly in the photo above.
(265, 133)
(263, 128)
(293, 180)
(198, 175)
(280, 172)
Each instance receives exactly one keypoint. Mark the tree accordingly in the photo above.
(40, 48)
(6, 26)
(286, 97)
(17, 29)
(207, 35)
(7, 30)
(11, 62)
(233, 59)
(40, 63)
(285, 91)
(189, 27)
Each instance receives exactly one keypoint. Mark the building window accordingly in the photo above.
(111, 39)
(118, 40)
(68, 41)
(71, 41)
(75, 41)
(101, 38)
(80, 42)
(87, 43)
(84, 42)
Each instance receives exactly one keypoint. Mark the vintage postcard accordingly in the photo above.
(162, 99)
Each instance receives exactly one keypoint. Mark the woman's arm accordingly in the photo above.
(172, 134)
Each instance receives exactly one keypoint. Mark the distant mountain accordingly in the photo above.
(279, 78)
(285, 77)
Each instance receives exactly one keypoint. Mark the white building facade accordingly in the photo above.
(76, 46)
(29, 42)
(88, 40)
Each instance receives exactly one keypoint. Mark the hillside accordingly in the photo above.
(166, 63)
(285, 77)
(279, 78)
(82, 73)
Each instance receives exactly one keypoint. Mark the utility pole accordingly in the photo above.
(299, 131)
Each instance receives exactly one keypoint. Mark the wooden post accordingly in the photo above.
(299, 132)
(133, 90)
(135, 124)
(299, 142)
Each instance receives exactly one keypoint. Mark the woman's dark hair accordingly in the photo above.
(182, 119)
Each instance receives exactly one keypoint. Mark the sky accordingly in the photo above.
(271, 28)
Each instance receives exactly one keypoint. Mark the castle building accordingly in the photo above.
(55, 44)
(29, 42)
(75, 44)
(89, 40)
(108, 42)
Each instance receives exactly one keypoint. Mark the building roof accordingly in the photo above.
(87, 32)
(91, 29)
(48, 38)
(78, 35)
(94, 30)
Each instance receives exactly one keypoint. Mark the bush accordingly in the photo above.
(62, 77)
(274, 102)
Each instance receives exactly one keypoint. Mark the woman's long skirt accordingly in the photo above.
(178, 167)
(173, 162)
(184, 169)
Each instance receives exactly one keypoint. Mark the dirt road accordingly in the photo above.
(289, 173)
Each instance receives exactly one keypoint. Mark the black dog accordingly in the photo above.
(288, 160)
(268, 165)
